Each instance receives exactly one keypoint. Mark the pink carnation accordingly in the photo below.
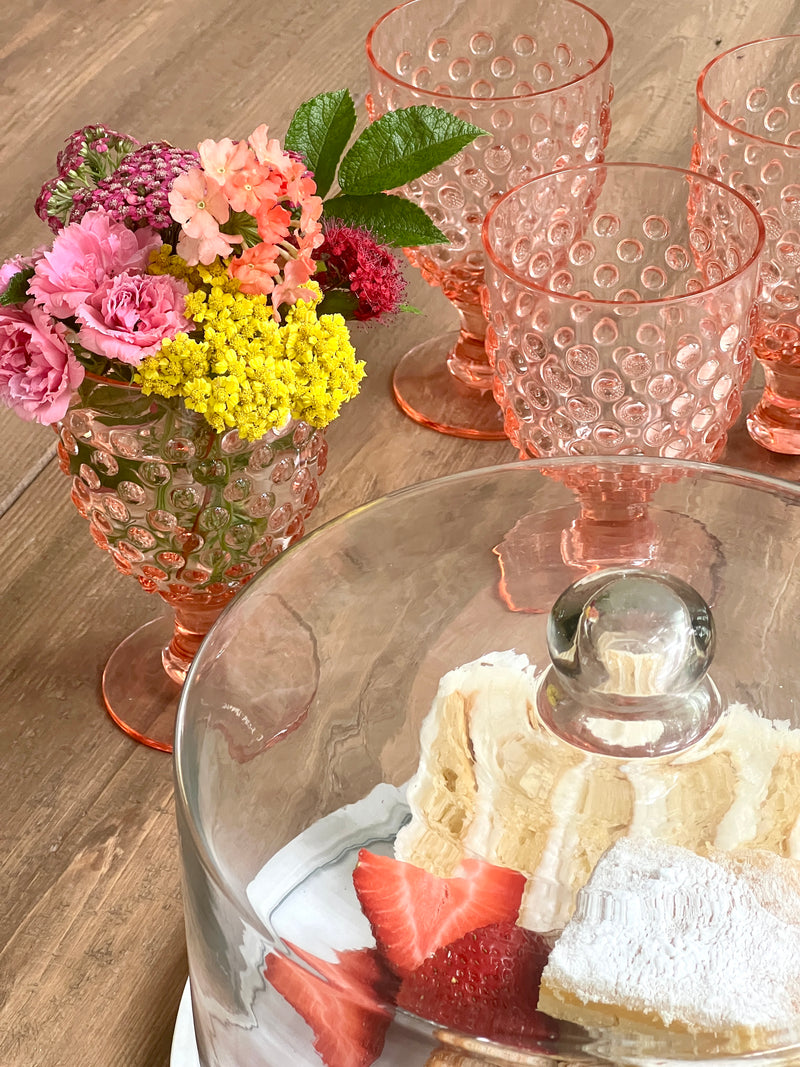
(38, 369)
(83, 256)
(129, 316)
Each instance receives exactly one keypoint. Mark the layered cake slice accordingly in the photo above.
(495, 783)
(664, 939)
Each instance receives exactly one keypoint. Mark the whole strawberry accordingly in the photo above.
(486, 984)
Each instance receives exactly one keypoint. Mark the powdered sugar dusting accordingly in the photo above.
(660, 929)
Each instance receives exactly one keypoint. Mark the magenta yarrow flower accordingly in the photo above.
(89, 155)
(129, 316)
(97, 138)
(84, 255)
(355, 261)
(38, 369)
(137, 192)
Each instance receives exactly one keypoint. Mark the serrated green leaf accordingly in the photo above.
(319, 132)
(16, 292)
(402, 145)
(392, 219)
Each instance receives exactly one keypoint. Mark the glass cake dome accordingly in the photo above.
(504, 768)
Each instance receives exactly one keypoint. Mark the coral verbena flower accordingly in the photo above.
(224, 160)
(355, 261)
(198, 203)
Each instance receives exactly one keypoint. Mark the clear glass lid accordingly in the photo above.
(504, 768)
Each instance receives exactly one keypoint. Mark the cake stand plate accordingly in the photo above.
(304, 866)
(184, 1047)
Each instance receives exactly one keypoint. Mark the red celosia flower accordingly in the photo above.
(356, 262)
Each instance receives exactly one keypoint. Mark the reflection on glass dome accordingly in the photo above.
(392, 857)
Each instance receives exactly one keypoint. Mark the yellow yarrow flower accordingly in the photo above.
(241, 368)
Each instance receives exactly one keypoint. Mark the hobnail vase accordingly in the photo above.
(190, 513)
(748, 136)
(536, 77)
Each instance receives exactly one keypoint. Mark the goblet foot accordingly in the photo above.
(428, 392)
(139, 695)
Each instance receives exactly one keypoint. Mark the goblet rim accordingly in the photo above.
(529, 283)
(434, 96)
(702, 99)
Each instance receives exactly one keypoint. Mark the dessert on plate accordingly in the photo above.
(494, 782)
(664, 939)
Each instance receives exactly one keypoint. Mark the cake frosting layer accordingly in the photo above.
(662, 937)
(494, 782)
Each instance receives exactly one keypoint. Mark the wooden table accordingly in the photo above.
(92, 956)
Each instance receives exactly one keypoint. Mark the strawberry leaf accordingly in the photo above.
(319, 132)
(392, 219)
(402, 145)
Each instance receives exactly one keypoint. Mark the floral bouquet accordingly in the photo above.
(219, 276)
(187, 331)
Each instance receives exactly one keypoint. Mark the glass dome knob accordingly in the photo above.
(630, 653)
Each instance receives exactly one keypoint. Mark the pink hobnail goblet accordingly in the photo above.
(748, 136)
(620, 299)
(535, 76)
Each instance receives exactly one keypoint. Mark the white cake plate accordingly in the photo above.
(184, 1047)
(302, 863)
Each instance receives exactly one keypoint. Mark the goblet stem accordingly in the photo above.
(774, 422)
(194, 617)
(143, 677)
(615, 526)
(468, 361)
(446, 382)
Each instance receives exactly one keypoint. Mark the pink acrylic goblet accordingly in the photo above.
(535, 76)
(620, 299)
(748, 136)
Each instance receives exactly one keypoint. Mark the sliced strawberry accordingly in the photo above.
(486, 984)
(413, 913)
(341, 1002)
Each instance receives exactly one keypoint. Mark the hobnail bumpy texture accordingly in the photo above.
(748, 136)
(493, 69)
(185, 510)
(605, 336)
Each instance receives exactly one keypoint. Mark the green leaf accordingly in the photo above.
(319, 131)
(392, 219)
(401, 146)
(338, 301)
(242, 223)
(16, 292)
